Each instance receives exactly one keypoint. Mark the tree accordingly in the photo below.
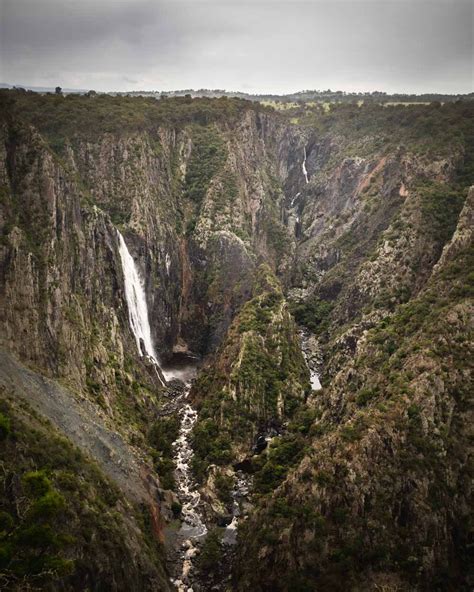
(58, 90)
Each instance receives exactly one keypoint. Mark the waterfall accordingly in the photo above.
(310, 361)
(136, 302)
(303, 166)
(294, 199)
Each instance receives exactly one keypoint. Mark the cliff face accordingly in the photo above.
(383, 278)
(382, 496)
(354, 222)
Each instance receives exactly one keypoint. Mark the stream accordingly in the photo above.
(183, 370)
(192, 529)
(186, 540)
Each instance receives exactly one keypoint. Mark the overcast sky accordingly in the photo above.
(254, 46)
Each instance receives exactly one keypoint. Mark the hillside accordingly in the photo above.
(267, 251)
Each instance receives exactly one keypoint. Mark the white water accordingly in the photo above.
(313, 375)
(294, 199)
(240, 493)
(136, 302)
(303, 166)
(314, 380)
(137, 307)
(192, 527)
(188, 493)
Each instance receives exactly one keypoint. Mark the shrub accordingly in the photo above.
(176, 508)
(211, 551)
(313, 314)
(365, 395)
(224, 485)
(36, 483)
(5, 426)
(48, 505)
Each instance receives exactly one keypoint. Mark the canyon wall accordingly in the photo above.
(355, 223)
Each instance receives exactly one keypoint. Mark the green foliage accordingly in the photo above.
(253, 389)
(209, 557)
(163, 433)
(161, 437)
(350, 433)
(48, 505)
(257, 314)
(284, 453)
(365, 395)
(441, 205)
(62, 118)
(60, 518)
(211, 446)
(32, 543)
(224, 484)
(208, 154)
(4, 426)
(427, 129)
(36, 483)
(313, 314)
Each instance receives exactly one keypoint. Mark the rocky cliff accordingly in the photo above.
(353, 222)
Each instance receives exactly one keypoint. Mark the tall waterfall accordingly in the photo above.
(136, 302)
(303, 166)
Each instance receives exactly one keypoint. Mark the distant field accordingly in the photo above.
(286, 106)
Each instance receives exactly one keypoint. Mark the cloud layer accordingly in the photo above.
(256, 46)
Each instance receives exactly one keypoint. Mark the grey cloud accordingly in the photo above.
(263, 45)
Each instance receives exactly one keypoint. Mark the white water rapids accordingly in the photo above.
(193, 526)
(311, 362)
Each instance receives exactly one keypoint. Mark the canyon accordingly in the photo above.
(236, 345)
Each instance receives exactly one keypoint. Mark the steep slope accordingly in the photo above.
(237, 219)
(383, 496)
(65, 526)
(254, 383)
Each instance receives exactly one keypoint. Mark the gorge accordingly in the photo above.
(236, 344)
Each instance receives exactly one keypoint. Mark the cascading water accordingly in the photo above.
(310, 361)
(303, 166)
(137, 306)
(193, 527)
(294, 199)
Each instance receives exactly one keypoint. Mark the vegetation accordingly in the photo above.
(210, 554)
(413, 359)
(427, 129)
(61, 118)
(441, 205)
(313, 313)
(252, 391)
(59, 517)
(207, 156)
(161, 437)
